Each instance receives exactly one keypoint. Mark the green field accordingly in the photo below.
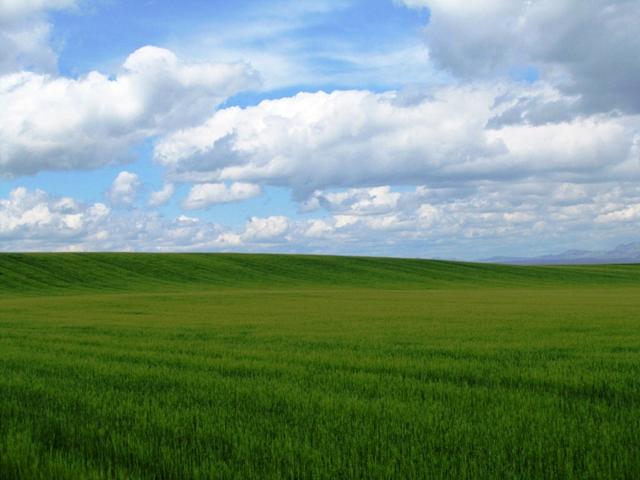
(246, 366)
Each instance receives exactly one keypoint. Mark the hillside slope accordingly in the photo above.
(70, 273)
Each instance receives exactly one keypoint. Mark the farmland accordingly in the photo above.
(265, 366)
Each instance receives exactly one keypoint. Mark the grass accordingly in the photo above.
(232, 366)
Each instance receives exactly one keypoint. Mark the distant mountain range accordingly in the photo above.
(626, 253)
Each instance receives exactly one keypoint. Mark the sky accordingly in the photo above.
(460, 129)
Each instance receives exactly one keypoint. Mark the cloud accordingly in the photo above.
(627, 214)
(57, 123)
(208, 194)
(357, 201)
(266, 228)
(342, 139)
(26, 46)
(124, 189)
(36, 221)
(35, 217)
(481, 221)
(585, 48)
(13, 10)
(161, 197)
(349, 139)
(24, 34)
(257, 233)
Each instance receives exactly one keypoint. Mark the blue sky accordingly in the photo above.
(428, 128)
(322, 37)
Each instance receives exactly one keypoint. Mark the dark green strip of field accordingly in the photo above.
(131, 366)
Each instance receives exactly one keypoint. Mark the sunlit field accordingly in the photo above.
(245, 366)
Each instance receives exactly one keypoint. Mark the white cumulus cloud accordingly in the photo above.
(359, 138)
(124, 189)
(34, 216)
(59, 123)
(208, 194)
(266, 228)
(161, 197)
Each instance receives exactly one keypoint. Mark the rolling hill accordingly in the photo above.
(69, 273)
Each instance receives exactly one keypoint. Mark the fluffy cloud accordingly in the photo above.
(319, 140)
(35, 220)
(586, 48)
(208, 194)
(359, 138)
(54, 123)
(35, 217)
(124, 189)
(161, 197)
(258, 234)
(266, 228)
(482, 220)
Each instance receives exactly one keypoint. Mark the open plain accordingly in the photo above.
(171, 366)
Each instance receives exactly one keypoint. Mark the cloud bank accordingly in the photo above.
(383, 220)
(359, 138)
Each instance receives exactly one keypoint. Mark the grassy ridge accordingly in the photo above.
(169, 376)
(66, 273)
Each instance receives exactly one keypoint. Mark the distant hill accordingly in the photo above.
(71, 273)
(626, 253)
